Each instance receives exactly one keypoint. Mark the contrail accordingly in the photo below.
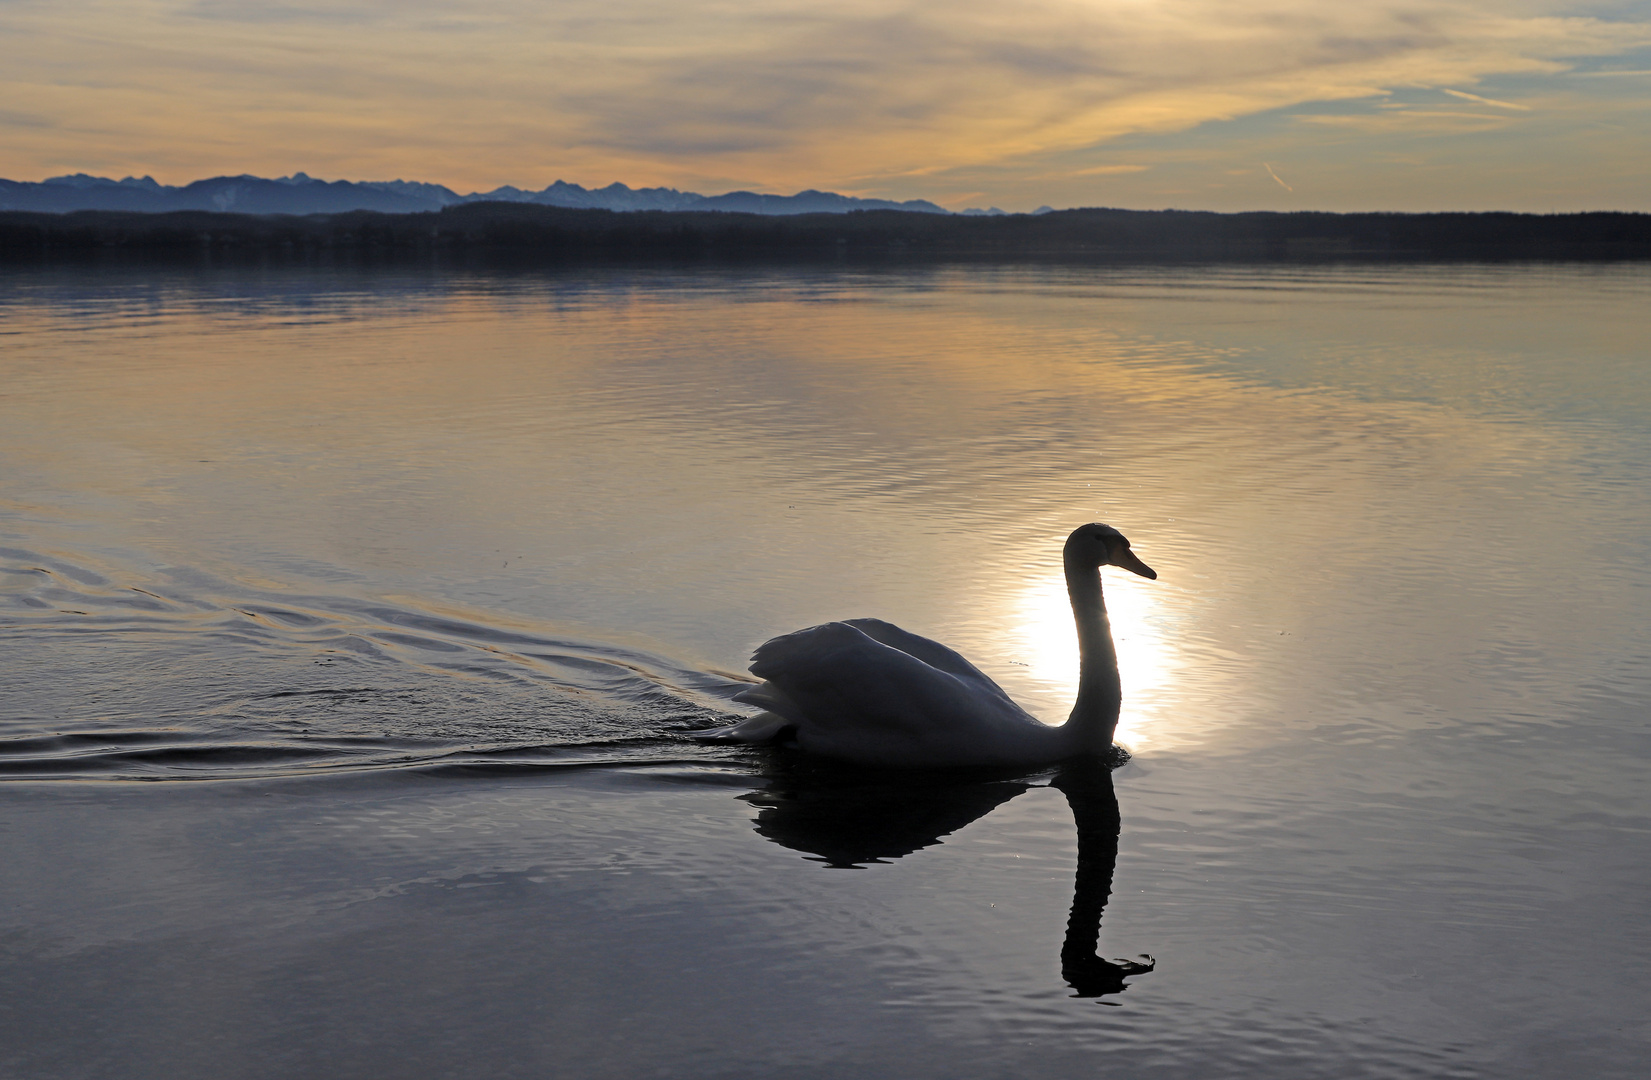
(1275, 176)
(1465, 96)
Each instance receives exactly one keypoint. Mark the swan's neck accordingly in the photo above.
(1095, 714)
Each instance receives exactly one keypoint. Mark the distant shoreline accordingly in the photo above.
(516, 234)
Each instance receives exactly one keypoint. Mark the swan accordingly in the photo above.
(867, 692)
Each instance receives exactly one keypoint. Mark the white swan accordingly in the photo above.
(868, 692)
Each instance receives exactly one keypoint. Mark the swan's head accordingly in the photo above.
(1102, 545)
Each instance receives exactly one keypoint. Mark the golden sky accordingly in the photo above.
(1206, 104)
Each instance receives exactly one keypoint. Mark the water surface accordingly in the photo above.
(426, 581)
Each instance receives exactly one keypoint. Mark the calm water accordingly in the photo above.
(424, 582)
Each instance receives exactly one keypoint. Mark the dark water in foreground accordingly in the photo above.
(427, 581)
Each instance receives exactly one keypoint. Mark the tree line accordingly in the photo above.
(526, 234)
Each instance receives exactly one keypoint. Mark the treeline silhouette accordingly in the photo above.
(523, 234)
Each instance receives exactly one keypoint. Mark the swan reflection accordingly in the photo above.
(848, 817)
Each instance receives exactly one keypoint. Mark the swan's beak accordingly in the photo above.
(1128, 561)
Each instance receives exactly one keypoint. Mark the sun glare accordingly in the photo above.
(1049, 642)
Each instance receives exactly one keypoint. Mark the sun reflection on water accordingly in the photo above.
(1048, 639)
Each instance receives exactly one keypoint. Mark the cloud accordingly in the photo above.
(768, 93)
(235, 11)
(9, 118)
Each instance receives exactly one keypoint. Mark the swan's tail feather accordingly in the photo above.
(765, 727)
(770, 698)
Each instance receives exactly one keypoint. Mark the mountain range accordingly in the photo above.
(302, 194)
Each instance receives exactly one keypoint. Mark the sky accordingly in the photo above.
(1534, 105)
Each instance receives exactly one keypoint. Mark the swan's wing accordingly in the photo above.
(837, 675)
(930, 652)
(856, 697)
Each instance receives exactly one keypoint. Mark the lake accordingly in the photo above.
(357, 624)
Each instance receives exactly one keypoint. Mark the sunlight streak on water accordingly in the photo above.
(1147, 661)
(1043, 630)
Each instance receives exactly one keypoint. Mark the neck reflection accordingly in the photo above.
(1088, 790)
(848, 817)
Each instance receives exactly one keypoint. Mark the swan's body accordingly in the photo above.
(867, 691)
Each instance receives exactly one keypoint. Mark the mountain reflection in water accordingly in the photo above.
(847, 817)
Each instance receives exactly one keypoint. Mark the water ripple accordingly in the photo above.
(179, 676)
